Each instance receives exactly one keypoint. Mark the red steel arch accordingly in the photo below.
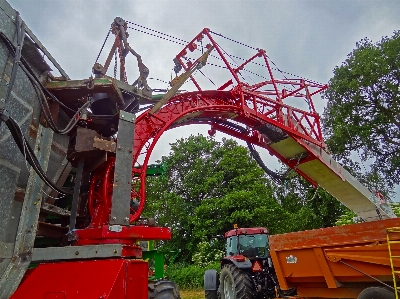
(254, 105)
(212, 107)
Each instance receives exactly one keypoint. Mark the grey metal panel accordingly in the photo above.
(28, 220)
(77, 252)
(10, 209)
(6, 250)
(24, 108)
(77, 189)
(9, 169)
(19, 214)
(337, 181)
(13, 172)
(121, 199)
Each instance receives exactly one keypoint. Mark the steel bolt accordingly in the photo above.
(126, 219)
(2, 100)
(76, 252)
(114, 218)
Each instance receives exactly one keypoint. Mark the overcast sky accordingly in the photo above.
(306, 38)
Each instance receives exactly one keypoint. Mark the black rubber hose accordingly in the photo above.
(29, 155)
(278, 178)
(256, 156)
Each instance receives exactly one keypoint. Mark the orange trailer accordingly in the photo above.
(337, 262)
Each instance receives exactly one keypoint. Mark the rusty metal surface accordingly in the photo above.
(51, 231)
(104, 145)
(50, 209)
(78, 89)
(368, 232)
(311, 260)
(84, 141)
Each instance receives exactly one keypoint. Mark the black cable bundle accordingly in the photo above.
(13, 126)
(27, 151)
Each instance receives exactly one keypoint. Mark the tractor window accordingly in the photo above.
(231, 246)
(254, 245)
(249, 245)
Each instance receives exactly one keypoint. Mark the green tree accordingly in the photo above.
(363, 111)
(208, 187)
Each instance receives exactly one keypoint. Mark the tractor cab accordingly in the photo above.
(249, 242)
(246, 270)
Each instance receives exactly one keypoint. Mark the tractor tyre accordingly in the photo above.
(211, 294)
(376, 293)
(163, 289)
(235, 283)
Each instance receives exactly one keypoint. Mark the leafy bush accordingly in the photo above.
(189, 276)
(206, 254)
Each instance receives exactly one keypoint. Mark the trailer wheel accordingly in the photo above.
(235, 283)
(163, 289)
(376, 293)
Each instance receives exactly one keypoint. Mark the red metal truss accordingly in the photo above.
(268, 101)
(263, 93)
(208, 107)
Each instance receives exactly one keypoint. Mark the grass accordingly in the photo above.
(192, 294)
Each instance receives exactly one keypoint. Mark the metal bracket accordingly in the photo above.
(121, 198)
(126, 116)
(115, 228)
(77, 252)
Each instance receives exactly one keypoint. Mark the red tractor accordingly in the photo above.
(246, 270)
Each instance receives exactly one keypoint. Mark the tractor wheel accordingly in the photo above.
(235, 283)
(376, 293)
(163, 289)
(211, 294)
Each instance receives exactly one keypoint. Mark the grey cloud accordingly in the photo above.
(307, 38)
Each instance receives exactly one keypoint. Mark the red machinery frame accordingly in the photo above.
(252, 105)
